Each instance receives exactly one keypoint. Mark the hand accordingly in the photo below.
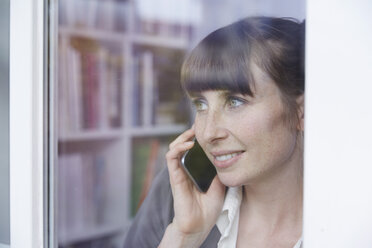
(195, 213)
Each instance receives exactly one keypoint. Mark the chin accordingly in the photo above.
(230, 180)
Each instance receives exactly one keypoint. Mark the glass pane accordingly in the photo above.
(120, 102)
(4, 124)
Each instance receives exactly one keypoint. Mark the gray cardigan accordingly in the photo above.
(155, 214)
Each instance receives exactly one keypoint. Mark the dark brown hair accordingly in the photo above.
(222, 60)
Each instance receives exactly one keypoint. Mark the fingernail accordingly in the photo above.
(189, 142)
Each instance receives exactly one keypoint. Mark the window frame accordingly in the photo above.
(27, 123)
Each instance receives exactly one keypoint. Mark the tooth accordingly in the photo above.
(225, 157)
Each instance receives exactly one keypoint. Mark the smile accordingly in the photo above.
(226, 159)
(226, 156)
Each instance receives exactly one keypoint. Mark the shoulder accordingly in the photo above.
(154, 215)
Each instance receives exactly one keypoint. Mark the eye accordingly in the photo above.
(200, 104)
(234, 101)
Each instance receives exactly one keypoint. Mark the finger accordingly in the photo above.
(173, 155)
(176, 177)
(173, 161)
(185, 136)
(180, 184)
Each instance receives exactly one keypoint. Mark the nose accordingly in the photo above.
(214, 127)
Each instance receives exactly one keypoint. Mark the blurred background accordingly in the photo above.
(119, 102)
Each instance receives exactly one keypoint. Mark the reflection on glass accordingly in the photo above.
(120, 103)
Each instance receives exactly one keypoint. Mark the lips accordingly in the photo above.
(224, 159)
(226, 156)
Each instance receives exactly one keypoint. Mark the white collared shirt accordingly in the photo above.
(228, 221)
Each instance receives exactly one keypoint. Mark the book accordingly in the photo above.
(137, 96)
(113, 84)
(148, 161)
(81, 191)
(140, 156)
(74, 76)
(106, 15)
(62, 93)
(71, 183)
(150, 171)
(156, 87)
(148, 88)
(90, 86)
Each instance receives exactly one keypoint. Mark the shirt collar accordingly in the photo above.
(230, 210)
(227, 222)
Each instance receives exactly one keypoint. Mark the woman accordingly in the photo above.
(246, 81)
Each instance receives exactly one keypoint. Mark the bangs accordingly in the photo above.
(219, 62)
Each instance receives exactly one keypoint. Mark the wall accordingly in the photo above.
(4, 123)
(338, 134)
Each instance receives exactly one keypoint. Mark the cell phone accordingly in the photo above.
(198, 167)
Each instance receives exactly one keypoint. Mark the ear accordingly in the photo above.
(300, 100)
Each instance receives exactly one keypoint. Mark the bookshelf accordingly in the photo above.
(119, 105)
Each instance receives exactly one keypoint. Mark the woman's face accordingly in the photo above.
(245, 137)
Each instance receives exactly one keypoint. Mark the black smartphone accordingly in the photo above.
(199, 168)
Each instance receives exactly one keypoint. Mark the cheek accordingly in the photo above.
(264, 128)
(244, 126)
(198, 127)
(272, 118)
(249, 123)
(277, 138)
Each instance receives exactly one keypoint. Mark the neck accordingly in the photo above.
(275, 202)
